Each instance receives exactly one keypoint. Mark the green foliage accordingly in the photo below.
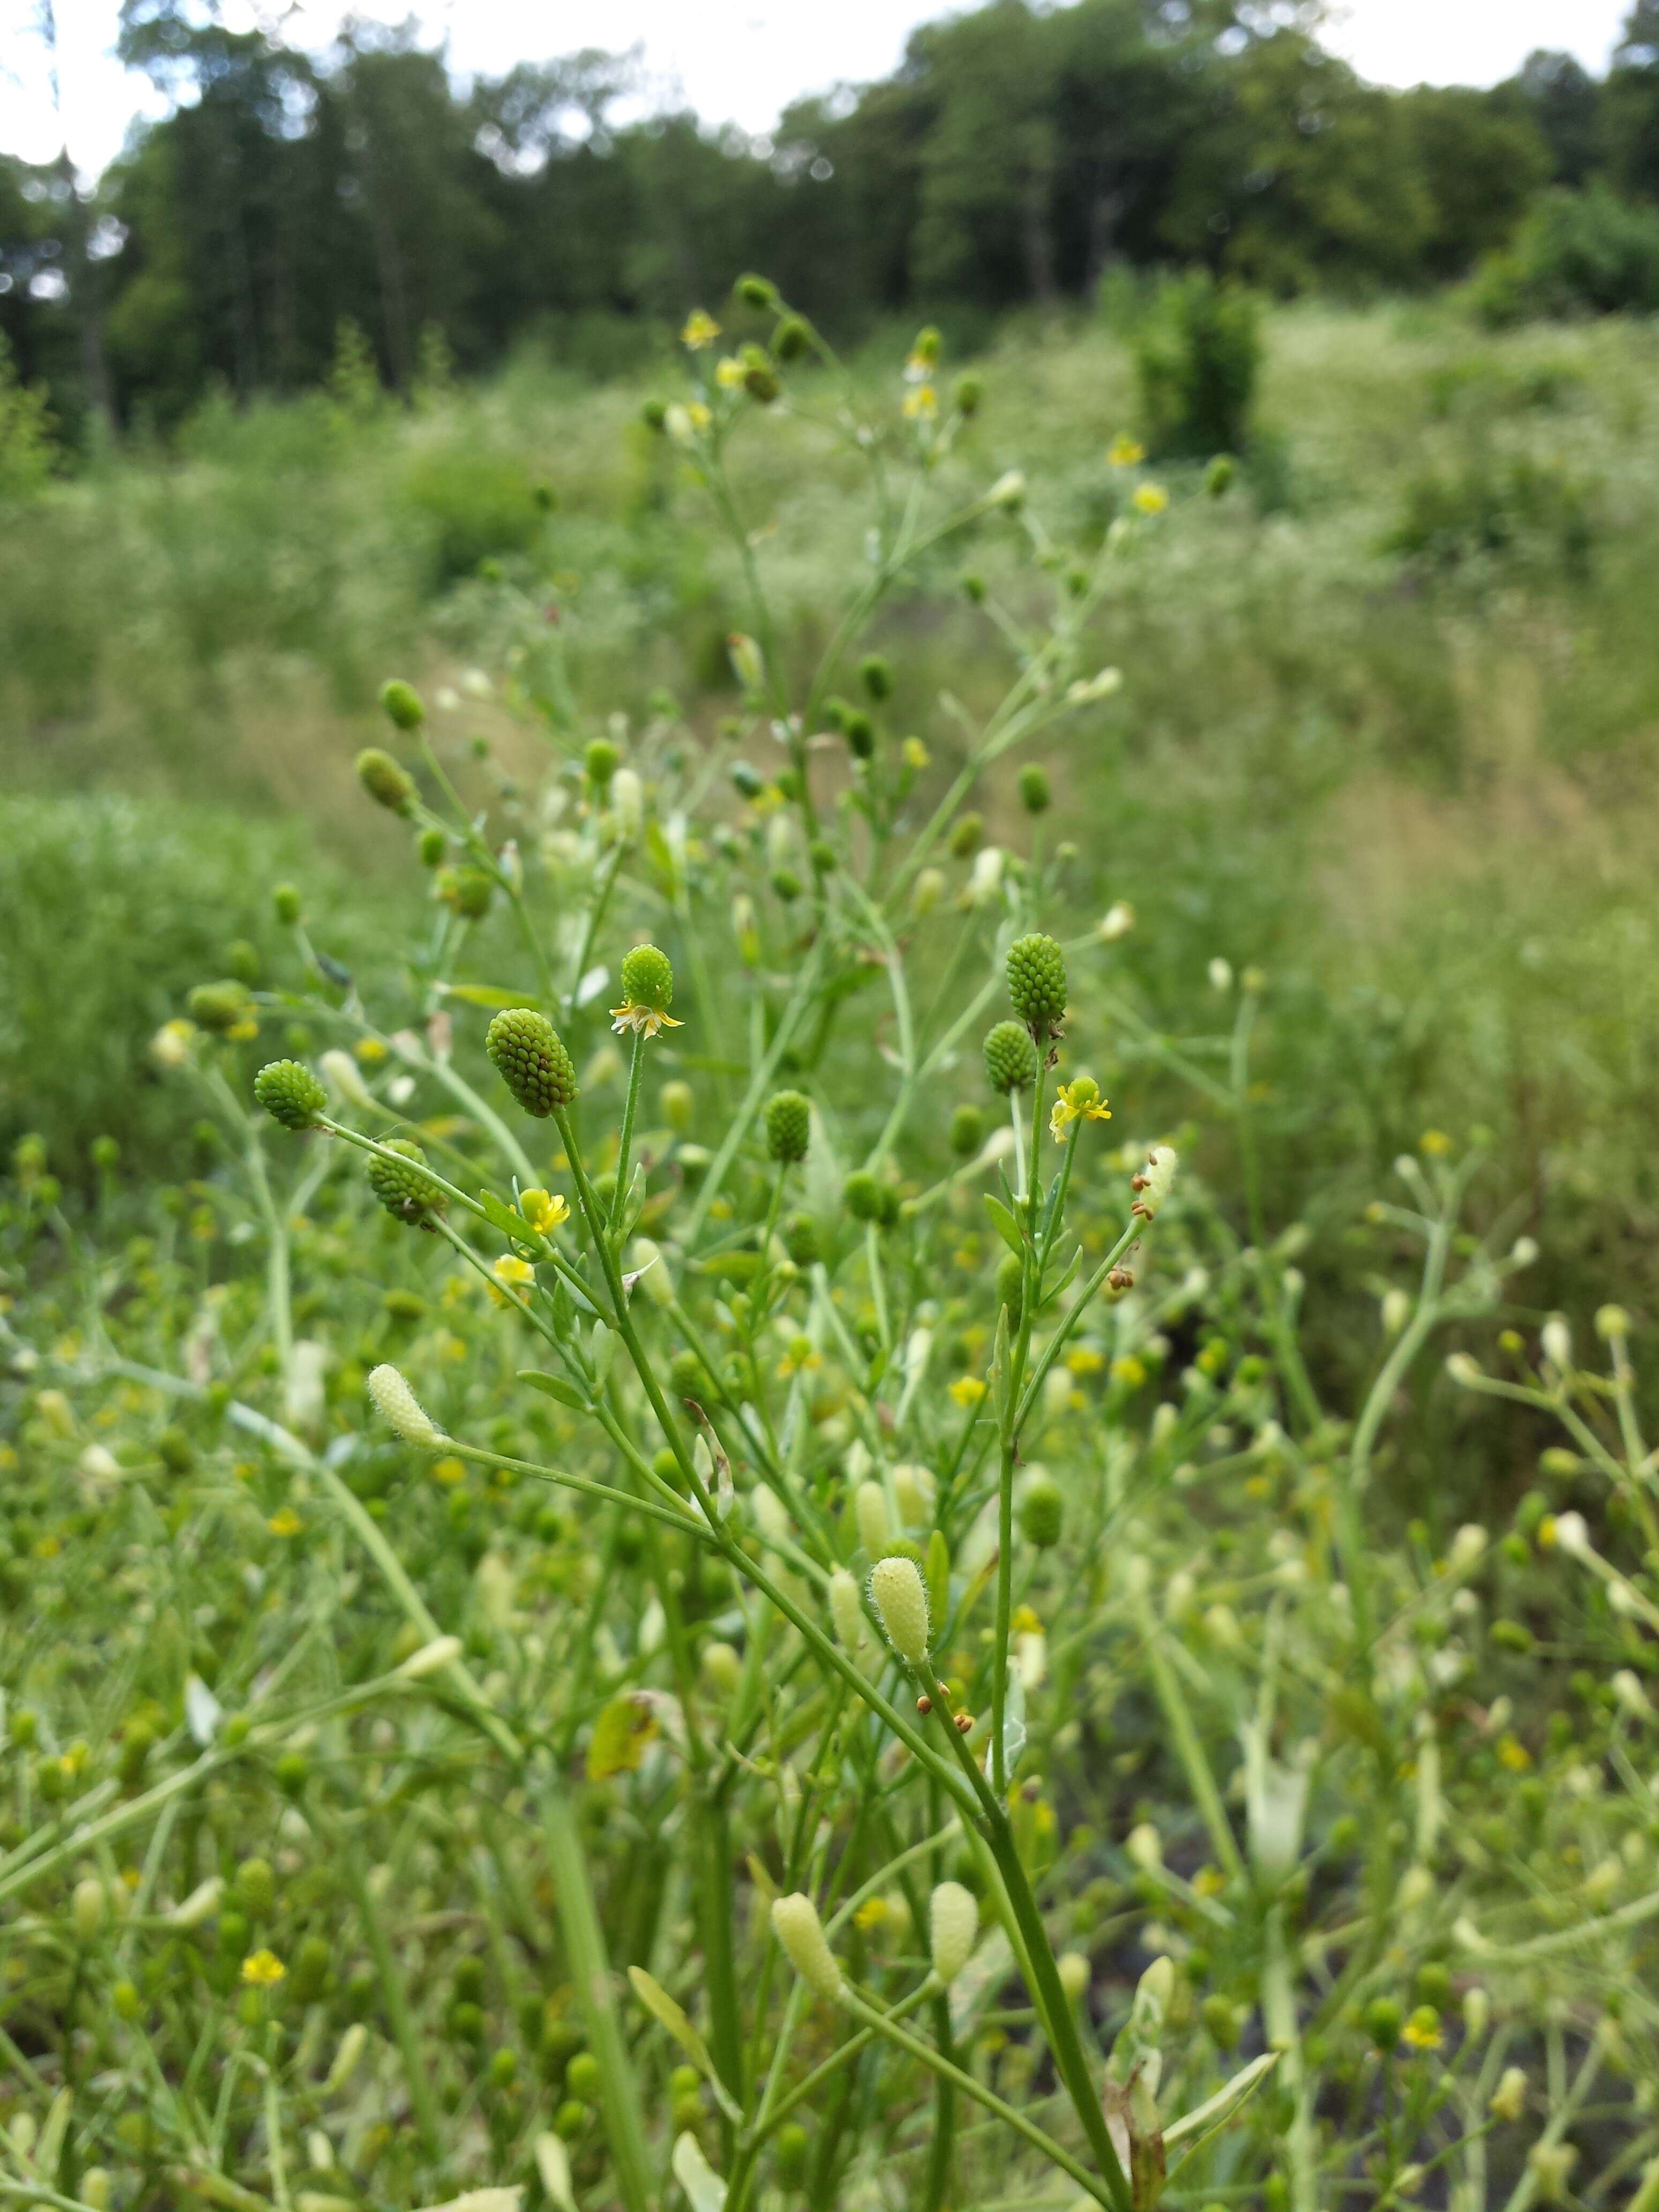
(1505, 507)
(1576, 253)
(1198, 356)
(28, 446)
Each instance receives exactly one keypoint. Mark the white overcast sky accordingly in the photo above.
(736, 60)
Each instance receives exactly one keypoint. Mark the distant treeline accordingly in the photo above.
(1018, 155)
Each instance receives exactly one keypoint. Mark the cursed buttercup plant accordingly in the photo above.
(812, 1638)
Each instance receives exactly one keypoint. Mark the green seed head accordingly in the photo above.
(387, 783)
(654, 415)
(876, 674)
(647, 979)
(756, 291)
(1034, 793)
(532, 1062)
(789, 2148)
(1011, 1285)
(289, 1093)
(467, 891)
(400, 702)
(1041, 1510)
(970, 391)
(219, 1007)
(800, 1240)
(255, 1887)
(1036, 983)
(601, 762)
(967, 1132)
(965, 835)
(860, 732)
(285, 901)
(1010, 1058)
(679, 1105)
(406, 1193)
(791, 338)
(788, 1127)
(861, 1195)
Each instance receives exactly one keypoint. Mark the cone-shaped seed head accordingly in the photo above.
(1036, 982)
(406, 1193)
(1010, 1060)
(647, 978)
(532, 1062)
(387, 782)
(795, 1923)
(289, 1093)
(953, 1924)
(402, 1408)
(898, 1594)
(788, 1127)
(870, 1510)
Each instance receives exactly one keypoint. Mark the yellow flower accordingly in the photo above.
(1125, 452)
(729, 374)
(802, 1355)
(1514, 1754)
(511, 1271)
(967, 1389)
(872, 1914)
(921, 403)
(542, 1210)
(263, 1969)
(915, 753)
(1150, 499)
(1129, 1372)
(1025, 1622)
(698, 415)
(1434, 1143)
(449, 1470)
(369, 1050)
(1085, 1360)
(170, 1045)
(700, 329)
(1080, 1097)
(241, 1032)
(1422, 2030)
(285, 1521)
(644, 1021)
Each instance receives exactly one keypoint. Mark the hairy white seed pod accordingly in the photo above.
(1467, 1546)
(898, 1595)
(953, 1929)
(1073, 1969)
(768, 1515)
(845, 1610)
(1572, 1535)
(915, 1488)
(1556, 1339)
(352, 2043)
(1477, 2014)
(796, 1924)
(647, 1262)
(341, 1074)
(430, 1659)
(1627, 1686)
(1118, 920)
(398, 1406)
(628, 799)
(201, 1904)
(1160, 1172)
(1396, 1310)
(1143, 1849)
(89, 1907)
(1508, 2098)
(870, 1511)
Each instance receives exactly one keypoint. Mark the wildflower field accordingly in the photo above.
(823, 1291)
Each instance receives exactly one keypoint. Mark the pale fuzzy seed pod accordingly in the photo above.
(1008, 490)
(628, 801)
(97, 2191)
(1551, 2166)
(1477, 2014)
(1118, 920)
(399, 1407)
(985, 884)
(1467, 1546)
(1143, 1849)
(897, 1593)
(915, 1489)
(347, 2057)
(1572, 1535)
(646, 1260)
(870, 1511)
(89, 1907)
(1160, 1173)
(430, 1659)
(796, 1924)
(341, 1074)
(723, 1664)
(1627, 1688)
(1073, 1969)
(1396, 1310)
(929, 890)
(766, 1513)
(201, 1904)
(1556, 1339)
(953, 1929)
(1463, 1369)
(845, 1610)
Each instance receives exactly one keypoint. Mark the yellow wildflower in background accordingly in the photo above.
(285, 1521)
(263, 1970)
(967, 1389)
(729, 374)
(1125, 452)
(1150, 499)
(700, 329)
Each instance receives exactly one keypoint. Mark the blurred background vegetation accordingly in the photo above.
(340, 372)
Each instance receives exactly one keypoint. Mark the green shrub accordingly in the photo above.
(27, 447)
(1576, 253)
(1509, 506)
(1197, 357)
(475, 505)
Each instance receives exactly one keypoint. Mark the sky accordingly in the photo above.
(733, 60)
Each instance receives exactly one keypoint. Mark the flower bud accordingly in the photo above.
(953, 1928)
(88, 1908)
(1509, 2099)
(1142, 1848)
(796, 1924)
(400, 702)
(628, 802)
(1008, 490)
(1118, 920)
(901, 1602)
(1556, 1339)
(398, 1404)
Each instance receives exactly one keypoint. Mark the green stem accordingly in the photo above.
(625, 1142)
(394, 1994)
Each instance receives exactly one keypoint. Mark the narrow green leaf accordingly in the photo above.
(555, 1386)
(657, 2001)
(1007, 1227)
